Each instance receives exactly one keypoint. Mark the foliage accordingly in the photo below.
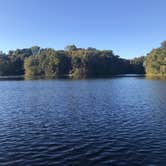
(137, 65)
(48, 63)
(73, 61)
(155, 63)
(70, 48)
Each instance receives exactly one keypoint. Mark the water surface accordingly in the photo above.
(118, 121)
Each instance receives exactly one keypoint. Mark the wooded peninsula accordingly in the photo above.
(79, 62)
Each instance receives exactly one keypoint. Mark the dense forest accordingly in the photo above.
(155, 63)
(72, 61)
(79, 62)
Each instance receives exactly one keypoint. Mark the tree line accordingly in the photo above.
(79, 62)
(72, 61)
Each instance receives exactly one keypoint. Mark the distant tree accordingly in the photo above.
(1, 53)
(71, 48)
(163, 44)
(137, 65)
(11, 52)
(47, 63)
(91, 49)
(35, 50)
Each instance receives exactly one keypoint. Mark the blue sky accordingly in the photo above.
(129, 27)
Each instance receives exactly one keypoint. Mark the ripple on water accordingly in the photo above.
(87, 122)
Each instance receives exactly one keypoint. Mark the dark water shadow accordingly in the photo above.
(12, 78)
(22, 77)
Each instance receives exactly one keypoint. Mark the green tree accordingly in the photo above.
(155, 63)
(71, 48)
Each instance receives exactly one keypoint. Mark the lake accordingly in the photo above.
(116, 121)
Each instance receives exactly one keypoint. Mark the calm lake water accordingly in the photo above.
(118, 121)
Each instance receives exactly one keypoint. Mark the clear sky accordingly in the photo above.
(129, 27)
